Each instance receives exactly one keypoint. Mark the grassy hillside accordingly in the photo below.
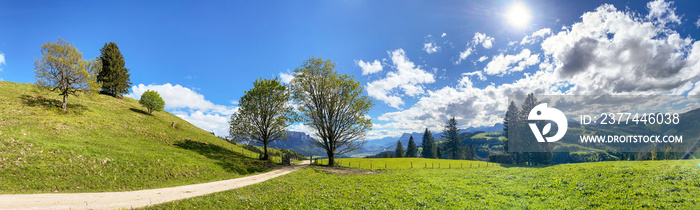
(603, 185)
(105, 144)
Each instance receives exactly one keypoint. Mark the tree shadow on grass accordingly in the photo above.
(140, 111)
(51, 104)
(229, 160)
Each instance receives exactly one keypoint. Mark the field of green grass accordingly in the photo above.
(605, 185)
(105, 144)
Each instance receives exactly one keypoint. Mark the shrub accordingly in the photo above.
(152, 101)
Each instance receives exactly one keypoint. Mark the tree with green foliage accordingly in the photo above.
(152, 101)
(543, 154)
(114, 76)
(399, 149)
(510, 122)
(62, 69)
(264, 113)
(332, 105)
(438, 152)
(411, 150)
(453, 144)
(429, 149)
(95, 66)
(469, 152)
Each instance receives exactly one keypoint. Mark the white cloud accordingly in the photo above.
(485, 41)
(443, 34)
(286, 77)
(483, 58)
(475, 73)
(190, 105)
(208, 121)
(369, 68)
(505, 64)
(697, 23)
(300, 127)
(407, 77)
(463, 55)
(471, 106)
(430, 47)
(662, 12)
(479, 38)
(612, 51)
(2, 60)
(178, 97)
(536, 36)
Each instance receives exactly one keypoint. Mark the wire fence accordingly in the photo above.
(427, 164)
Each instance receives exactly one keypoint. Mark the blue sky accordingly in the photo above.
(420, 61)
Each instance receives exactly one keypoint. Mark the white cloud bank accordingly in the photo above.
(191, 106)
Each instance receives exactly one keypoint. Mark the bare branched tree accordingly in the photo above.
(332, 105)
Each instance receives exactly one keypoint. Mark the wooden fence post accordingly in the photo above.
(411, 164)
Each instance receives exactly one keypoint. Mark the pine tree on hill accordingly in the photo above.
(438, 154)
(399, 149)
(428, 142)
(453, 143)
(411, 150)
(543, 154)
(114, 76)
(509, 121)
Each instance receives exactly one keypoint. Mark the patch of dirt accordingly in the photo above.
(341, 170)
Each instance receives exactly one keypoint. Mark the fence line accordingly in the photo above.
(408, 165)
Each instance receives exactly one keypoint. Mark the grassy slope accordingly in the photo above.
(105, 144)
(605, 185)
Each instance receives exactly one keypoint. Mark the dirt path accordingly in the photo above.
(133, 199)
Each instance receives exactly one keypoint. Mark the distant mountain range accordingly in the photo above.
(302, 143)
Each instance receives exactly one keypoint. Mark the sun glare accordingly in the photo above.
(518, 15)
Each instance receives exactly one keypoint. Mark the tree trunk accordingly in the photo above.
(331, 159)
(265, 156)
(64, 106)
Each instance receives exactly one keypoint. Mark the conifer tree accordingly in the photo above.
(411, 150)
(428, 145)
(114, 76)
(438, 153)
(399, 149)
(453, 145)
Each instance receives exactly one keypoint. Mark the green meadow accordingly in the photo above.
(607, 185)
(106, 144)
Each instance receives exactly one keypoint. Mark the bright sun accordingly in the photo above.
(518, 15)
